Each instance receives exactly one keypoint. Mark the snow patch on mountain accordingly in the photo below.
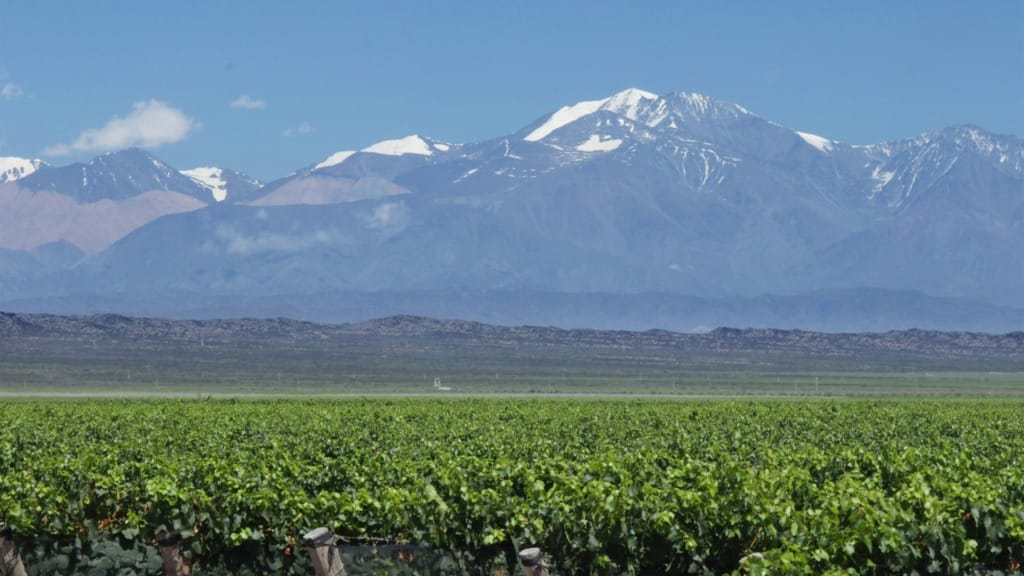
(408, 145)
(626, 103)
(596, 144)
(509, 154)
(563, 116)
(658, 115)
(12, 168)
(823, 144)
(465, 175)
(210, 178)
(881, 178)
(334, 159)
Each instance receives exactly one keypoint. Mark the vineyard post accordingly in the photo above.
(533, 562)
(170, 551)
(11, 560)
(326, 559)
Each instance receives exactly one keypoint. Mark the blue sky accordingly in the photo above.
(268, 87)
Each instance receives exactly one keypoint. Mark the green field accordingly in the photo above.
(635, 486)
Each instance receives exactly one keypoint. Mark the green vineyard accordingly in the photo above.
(460, 485)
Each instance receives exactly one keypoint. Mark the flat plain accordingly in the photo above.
(115, 355)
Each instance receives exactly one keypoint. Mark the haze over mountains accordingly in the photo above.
(634, 211)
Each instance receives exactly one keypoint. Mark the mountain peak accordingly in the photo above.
(698, 106)
(412, 144)
(970, 134)
(114, 176)
(135, 158)
(644, 107)
(1004, 149)
(969, 137)
(626, 103)
(132, 153)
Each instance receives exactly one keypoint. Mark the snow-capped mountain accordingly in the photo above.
(350, 176)
(636, 193)
(12, 168)
(113, 176)
(638, 112)
(413, 144)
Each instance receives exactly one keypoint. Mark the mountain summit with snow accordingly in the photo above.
(642, 108)
(626, 103)
(636, 202)
(12, 168)
(414, 144)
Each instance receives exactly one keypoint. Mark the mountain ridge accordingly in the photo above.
(103, 328)
(631, 194)
(853, 310)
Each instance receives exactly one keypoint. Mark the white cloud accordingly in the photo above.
(234, 241)
(246, 103)
(302, 129)
(10, 91)
(387, 214)
(149, 125)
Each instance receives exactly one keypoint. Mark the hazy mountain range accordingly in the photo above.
(674, 211)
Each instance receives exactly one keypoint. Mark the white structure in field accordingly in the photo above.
(438, 387)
